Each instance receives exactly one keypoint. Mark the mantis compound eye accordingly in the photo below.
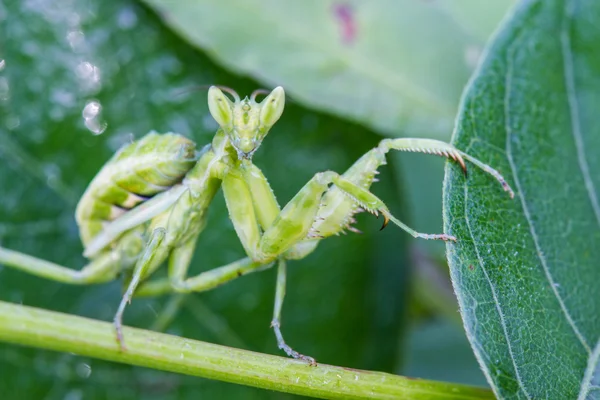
(272, 107)
(220, 108)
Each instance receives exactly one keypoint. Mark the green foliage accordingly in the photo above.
(526, 271)
(362, 60)
(345, 302)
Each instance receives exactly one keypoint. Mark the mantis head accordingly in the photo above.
(246, 122)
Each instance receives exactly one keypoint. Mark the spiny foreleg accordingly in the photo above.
(369, 202)
(338, 208)
(296, 220)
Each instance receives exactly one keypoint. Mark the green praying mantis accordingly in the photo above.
(148, 205)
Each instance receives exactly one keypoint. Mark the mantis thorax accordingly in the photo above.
(246, 122)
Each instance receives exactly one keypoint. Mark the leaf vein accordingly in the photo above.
(526, 212)
(569, 75)
(496, 301)
(588, 376)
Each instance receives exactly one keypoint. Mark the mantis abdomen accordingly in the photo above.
(136, 172)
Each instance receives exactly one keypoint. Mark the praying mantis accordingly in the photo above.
(148, 205)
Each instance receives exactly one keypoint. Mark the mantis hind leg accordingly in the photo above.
(102, 269)
(151, 255)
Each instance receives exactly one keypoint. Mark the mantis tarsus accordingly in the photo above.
(148, 204)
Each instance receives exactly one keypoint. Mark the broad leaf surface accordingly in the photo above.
(344, 302)
(526, 271)
(398, 66)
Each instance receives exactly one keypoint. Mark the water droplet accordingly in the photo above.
(91, 110)
(95, 126)
(2, 64)
(83, 370)
(91, 116)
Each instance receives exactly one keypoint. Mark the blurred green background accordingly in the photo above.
(79, 78)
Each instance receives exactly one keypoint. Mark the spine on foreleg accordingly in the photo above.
(337, 210)
(139, 170)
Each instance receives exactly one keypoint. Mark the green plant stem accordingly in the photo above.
(62, 332)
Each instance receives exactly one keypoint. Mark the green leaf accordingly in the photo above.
(395, 65)
(526, 270)
(344, 303)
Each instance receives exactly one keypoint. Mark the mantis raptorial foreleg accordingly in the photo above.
(294, 222)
